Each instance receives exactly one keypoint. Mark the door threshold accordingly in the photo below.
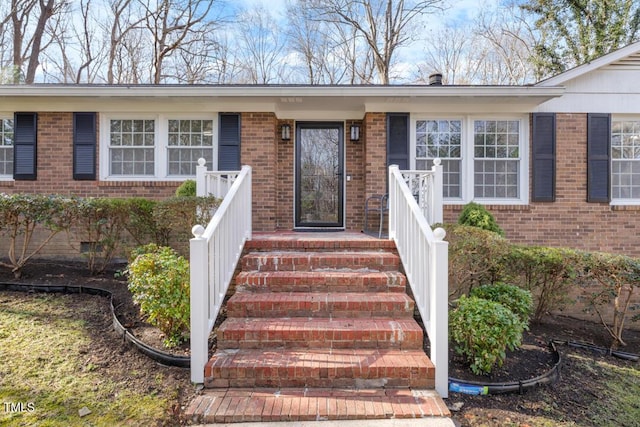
(318, 229)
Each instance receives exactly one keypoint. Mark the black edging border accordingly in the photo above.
(152, 352)
(168, 359)
(477, 387)
(553, 375)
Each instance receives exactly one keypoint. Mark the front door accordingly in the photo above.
(319, 175)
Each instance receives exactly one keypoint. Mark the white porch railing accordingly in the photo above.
(213, 183)
(214, 254)
(424, 255)
(426, 187)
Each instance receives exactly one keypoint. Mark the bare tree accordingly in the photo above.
(172, 24)
(447, 53)
(262, 48)
(125, 20)
(27, 37)
(511, 40)
(384, 25)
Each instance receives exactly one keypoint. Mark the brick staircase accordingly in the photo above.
(319, 328)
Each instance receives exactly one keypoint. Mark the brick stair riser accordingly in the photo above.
(274, 305)
(320, 337)
(288, 281)
(264, 380)
(340, 368)
(382, 261)
(320, 245)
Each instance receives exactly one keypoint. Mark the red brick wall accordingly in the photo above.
(285, 177)
(259, 150)
(355, 167)
(569, 221)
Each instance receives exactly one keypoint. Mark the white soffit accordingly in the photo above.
(293, 101)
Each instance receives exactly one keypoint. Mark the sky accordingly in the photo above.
(457, 12)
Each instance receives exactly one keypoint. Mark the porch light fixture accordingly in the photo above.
(286, 132)
(355, 132)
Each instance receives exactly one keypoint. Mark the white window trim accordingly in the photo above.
(467, 156)
(161, 144)
(614, 201)
(5, 116)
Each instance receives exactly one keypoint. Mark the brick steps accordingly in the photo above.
(313, 261)
(328, 281)
(320, 304)
(320, 333)
(320, 368)
(270, 405)
(320, 328)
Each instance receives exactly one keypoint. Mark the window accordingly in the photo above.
(6, 148)
(132, 147)
(483, 159)
(441, 139)
(496, 158)
(156, 146)
(625, 159)
(189, 140)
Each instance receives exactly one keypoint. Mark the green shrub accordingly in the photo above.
(159, 282)
(548, 273)
(187, 189)
(141, 225)
(475, 258)
(477, 215)
(175, 217)
(101, 223)
(481, 331)
(512, 297)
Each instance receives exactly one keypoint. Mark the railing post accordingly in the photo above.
(392, 202)
(439, 311)
(199, 300)
(437, 192)
(201, 185)
(249, 179)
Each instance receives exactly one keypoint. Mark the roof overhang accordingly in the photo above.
(286, 101)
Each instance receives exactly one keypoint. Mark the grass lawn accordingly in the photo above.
(53, 363)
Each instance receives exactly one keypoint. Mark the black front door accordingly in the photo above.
(319, 175)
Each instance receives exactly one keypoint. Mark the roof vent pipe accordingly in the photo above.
(435, 79)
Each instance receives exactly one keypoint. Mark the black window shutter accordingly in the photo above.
(544, 157)
(598, 162)
(84, 146)
(229, 142)
(25, 146)
(398, 140)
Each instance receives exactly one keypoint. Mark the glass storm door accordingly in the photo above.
(319, 175)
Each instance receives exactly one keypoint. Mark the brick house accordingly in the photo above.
(556, 162)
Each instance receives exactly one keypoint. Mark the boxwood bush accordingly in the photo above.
(159, 282)
(512, 297)
(481, 331)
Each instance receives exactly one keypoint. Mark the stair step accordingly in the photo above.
(320, 304)
(328, 281)
(310, 242)
(319, 333)
(295, 404)
(346, 368)
(311, 261)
